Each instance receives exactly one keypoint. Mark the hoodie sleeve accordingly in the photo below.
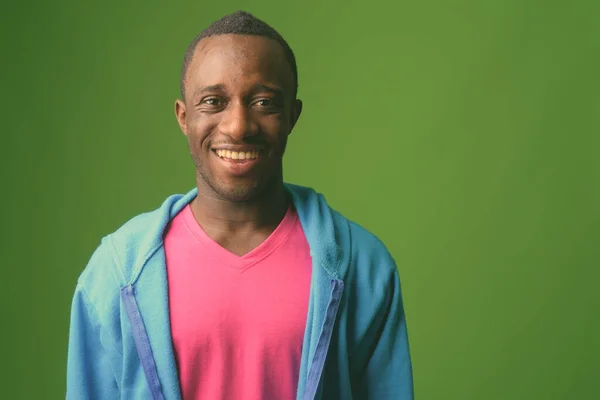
(89, 372)
(388, 371)
(93, 360)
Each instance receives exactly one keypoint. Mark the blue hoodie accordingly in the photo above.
(355, 343)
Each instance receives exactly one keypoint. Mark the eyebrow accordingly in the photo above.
(210, 88)
(264, 88)
(256, 88)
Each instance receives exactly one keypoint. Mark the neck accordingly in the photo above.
(219, 217)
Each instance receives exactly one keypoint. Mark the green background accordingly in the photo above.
(463, 133)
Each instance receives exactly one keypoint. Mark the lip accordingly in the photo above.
(238, 148)
(237, 167)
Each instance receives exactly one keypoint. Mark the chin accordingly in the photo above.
(239, 193)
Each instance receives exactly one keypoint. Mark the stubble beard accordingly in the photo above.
(242, 193)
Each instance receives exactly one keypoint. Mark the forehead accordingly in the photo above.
(236, 60)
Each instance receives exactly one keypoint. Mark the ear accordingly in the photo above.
(295, 115)
(180, 114)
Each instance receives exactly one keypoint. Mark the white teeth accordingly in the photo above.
(237, 155)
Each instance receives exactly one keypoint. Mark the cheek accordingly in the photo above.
(198, 131)
(276, 127)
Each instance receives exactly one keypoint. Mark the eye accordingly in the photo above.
(264, 103)
(268, 104)
(212, 101)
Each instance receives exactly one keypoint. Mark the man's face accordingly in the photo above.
(238, 111)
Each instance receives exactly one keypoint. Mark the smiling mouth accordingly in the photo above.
(237, 155)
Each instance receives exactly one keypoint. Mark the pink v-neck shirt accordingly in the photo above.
(237, 323)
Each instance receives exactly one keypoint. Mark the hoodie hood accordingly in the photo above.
(327, 232)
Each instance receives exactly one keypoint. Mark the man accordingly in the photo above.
(246, 287)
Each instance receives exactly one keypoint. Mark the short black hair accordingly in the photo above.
(239, 23)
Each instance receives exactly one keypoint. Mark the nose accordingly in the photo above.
(238, 123)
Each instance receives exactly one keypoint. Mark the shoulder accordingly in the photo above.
(366, 241)
(123, 252)
(109, 267)
(369, 258)
(367, 245)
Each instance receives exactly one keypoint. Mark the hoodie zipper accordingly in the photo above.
(142, 342)
(318, 362)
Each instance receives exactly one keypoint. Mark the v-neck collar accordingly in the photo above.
(221, 255)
